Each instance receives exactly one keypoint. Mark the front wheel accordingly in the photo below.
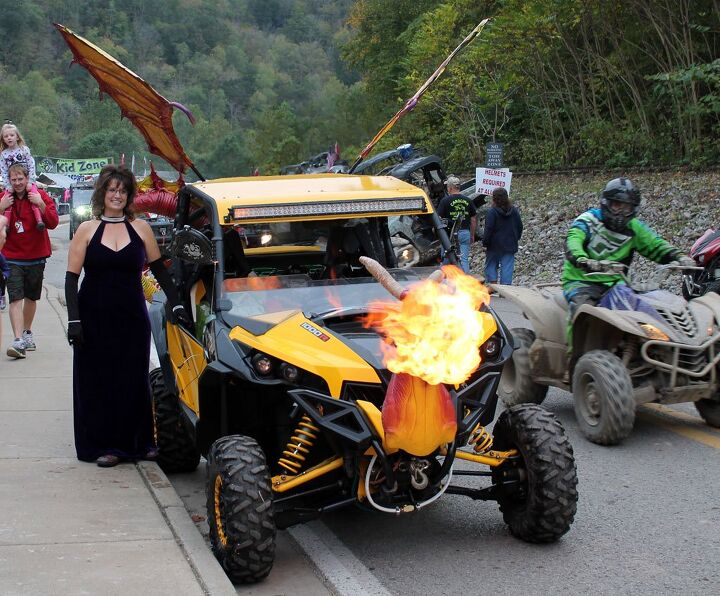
(516, 384)
(240, 508)
(604, 400)
(174, 433)
(709, 409)
(537, 492)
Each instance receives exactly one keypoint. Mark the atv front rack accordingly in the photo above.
(694, 361)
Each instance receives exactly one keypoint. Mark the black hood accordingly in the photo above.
(504, 212)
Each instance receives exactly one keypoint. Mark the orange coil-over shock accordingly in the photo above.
(299, 445)
(480, 439)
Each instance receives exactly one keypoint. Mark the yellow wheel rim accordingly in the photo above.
(222, 537)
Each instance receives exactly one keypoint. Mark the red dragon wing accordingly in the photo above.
(149, 111)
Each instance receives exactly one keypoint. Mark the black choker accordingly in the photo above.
(109, 219)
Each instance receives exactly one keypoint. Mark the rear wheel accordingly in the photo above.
(709, 409)
(540, 505)
(240, 508)
(516, 385)
(604, 401)
(174, 434)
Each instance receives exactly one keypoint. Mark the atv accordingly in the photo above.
(281, 384)
(640, 344)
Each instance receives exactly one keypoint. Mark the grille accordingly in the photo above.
(683, 321)
(372, 393)
(689, 360)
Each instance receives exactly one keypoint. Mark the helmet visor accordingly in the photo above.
(620, 208)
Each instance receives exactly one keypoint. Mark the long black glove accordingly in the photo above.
(177, 310)
(75, 331)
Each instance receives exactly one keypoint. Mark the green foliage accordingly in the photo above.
(271, 82)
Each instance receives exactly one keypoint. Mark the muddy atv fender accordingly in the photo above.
(542, 307)
(516, 383)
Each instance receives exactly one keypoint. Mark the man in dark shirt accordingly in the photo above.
(455, 206)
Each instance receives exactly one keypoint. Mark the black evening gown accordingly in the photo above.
(111, 391)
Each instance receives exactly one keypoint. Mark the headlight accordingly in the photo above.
(653, 332)
(82, 210)
(265, 239)
(491, 348)
(407, 256)
(262, 364)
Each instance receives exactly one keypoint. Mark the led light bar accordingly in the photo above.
(284, 210)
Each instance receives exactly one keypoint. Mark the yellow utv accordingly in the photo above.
(280, 383)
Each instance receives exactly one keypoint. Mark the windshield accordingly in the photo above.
(81, 196)
(255, 296)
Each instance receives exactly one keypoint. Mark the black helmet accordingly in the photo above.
(619, 203)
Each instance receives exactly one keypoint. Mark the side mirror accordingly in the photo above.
(192, 245)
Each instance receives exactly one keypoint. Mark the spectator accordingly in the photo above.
(108, 325)
(4, 270)
(503, 229)
(456, 207)
(26, 249)
(14, 150)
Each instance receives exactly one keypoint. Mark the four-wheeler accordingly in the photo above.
(706, 252)
(281, 384)
(638, 345)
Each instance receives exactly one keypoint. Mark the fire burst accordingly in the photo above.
(436, 329)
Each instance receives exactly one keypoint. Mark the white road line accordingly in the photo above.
(338, 566)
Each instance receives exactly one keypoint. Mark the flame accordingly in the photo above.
(436, 330)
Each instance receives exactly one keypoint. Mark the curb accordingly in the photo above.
(203, 564)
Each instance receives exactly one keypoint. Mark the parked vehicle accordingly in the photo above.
(281, 385)
(80, 209)
(162, 228)
(638, 345)
(706, 252)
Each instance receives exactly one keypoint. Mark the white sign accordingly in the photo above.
(488, 179)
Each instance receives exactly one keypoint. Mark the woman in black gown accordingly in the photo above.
(108, 325)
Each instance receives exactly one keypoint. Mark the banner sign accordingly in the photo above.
(71, 167)
(487, 179)
(494, 155)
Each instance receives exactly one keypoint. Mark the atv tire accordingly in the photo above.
(516, 385)
(174, 434)
(240, 508)
(544, 507)
(604, 401)
(709, 409)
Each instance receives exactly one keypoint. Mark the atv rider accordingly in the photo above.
(603, 241)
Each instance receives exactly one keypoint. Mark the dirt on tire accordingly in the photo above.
(603, 395)
(545, 507)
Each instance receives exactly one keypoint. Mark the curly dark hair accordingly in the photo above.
(107, 174)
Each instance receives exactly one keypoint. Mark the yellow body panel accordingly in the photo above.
(308, 189)
(188, 361)
(330, 359)
(375, 417)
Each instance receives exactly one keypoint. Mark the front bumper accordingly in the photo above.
(696, 362)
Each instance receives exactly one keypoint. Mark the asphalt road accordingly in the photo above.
(648, 519)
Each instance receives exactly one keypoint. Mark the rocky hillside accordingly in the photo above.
(679, 205)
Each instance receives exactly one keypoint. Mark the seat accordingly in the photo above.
(236, 264)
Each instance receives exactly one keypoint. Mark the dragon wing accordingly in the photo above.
(149, 111)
